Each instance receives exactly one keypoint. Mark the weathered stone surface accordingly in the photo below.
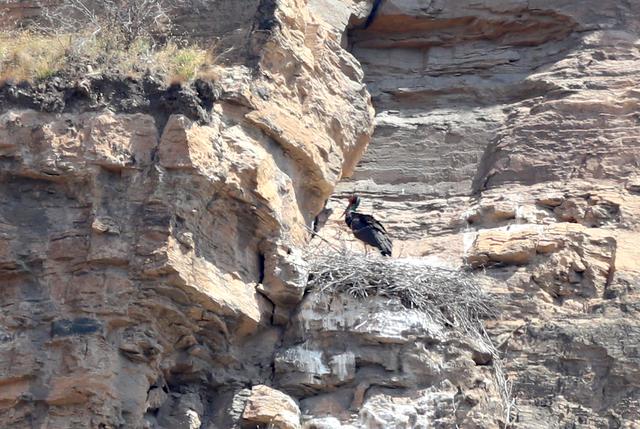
(373, 363)
(506, 141)
(151, 262)
(267, 406)
(148, 254)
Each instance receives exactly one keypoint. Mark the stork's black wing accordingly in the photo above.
(369, 221)
(368, 229)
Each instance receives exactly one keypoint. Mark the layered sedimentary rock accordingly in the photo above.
(150, 237)
(375, 364)
(506, 142)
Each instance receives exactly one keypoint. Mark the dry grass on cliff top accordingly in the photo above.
(76, 38)
(32, 56)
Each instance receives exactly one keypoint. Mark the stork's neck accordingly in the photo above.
(348, 216)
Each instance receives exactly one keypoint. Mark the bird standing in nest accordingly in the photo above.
(366, 228)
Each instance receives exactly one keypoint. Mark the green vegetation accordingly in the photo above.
(129, 38)
(29, 56)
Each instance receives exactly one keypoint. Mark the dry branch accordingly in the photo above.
(124, 20)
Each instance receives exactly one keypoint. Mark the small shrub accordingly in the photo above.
(180, 64)
(121, 22)
(187, 62)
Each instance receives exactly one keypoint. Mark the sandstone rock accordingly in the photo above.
(572, 260)
(152, 251)
(506, 247)
(151, 262)
(270, 407)
(504, 139)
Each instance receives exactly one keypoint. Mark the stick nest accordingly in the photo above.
(451, 297)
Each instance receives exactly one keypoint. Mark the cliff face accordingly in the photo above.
(151, 238)
(506, 140)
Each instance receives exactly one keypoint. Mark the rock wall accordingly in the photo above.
(506, 141)
(150, 237)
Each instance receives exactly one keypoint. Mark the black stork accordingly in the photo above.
(366, 228)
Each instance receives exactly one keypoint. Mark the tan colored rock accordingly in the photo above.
(517, 247)
(505, 138)
(267, 406)
(75, 389)
(156, 262)
(146, 258)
